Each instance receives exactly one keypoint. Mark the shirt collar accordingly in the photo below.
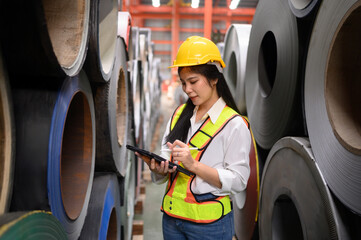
(214, 111)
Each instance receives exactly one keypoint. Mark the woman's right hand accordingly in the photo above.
(156, 167)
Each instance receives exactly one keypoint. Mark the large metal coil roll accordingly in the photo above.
(55, 151)
(104, 216)
(145, 101)
(303, 8)
(272, 88)
(31, 225)
(102, 41)
(45, 37)
(246, 203)
(235, 57)
(112, 116)
(155, 89)
(125, 31)
(129, 195)
(137, 92)
(7, 139)
(220, 47)
(332, 98)
(295, 202)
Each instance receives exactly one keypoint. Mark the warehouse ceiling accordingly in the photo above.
(216, 3)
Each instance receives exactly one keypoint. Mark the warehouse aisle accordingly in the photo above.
(152, 215)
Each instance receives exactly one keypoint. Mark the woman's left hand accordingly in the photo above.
(181, 153)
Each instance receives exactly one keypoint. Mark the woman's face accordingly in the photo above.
(199, 90)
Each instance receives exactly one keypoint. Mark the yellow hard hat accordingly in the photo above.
(196, 51)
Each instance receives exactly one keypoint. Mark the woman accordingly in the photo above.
(208, 137)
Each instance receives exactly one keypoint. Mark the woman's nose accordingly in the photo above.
(186, 88)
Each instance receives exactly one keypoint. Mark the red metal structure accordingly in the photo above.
(175, 10)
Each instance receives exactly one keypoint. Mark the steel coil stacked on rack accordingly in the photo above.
(55, 151)
(271, 75)
(295, 202)
(102, 40)
(113, 116)
(7, 139)
(104, 217)
(31, 225)
(56, 34)
(332, 97)
(235, 57)
(136, 85)
(128, 200)
(301, 82)
(66, 78)
(246, 203)
(146, 59)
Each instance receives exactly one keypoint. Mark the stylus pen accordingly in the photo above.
(169, 150)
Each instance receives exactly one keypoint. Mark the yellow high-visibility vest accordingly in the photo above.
(179, 201)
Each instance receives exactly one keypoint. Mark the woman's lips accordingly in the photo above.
(192, 98)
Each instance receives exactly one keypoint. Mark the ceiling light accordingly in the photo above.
(234, 4)
(195, 4)
(156, 3)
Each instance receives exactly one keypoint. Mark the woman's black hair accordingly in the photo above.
(210, 72)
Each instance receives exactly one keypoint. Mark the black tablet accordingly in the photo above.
(159, 159)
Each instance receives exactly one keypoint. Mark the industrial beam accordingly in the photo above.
(208, 19)
(189, 10)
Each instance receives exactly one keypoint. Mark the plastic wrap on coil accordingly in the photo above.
(332, 98)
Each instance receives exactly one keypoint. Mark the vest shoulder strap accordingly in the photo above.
(176, 115)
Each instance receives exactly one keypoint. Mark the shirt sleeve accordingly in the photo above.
(236, 170)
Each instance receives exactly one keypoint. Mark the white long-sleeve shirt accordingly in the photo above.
(228, 152)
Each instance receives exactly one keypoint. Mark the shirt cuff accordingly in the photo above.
(227, 177)
(158, 178)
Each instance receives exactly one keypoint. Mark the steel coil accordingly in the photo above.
(332, 98)
(136, 80)
(7, 139)
(271, 74)
(246, 207)
(235, 57)
(102, 41)
(104, 216)
(46, 38)
(112, 117)
(125, 31)
(31, 225)
(295, 202)
(303, 8)
(144, 42)
(55, 151)
(128, 196)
